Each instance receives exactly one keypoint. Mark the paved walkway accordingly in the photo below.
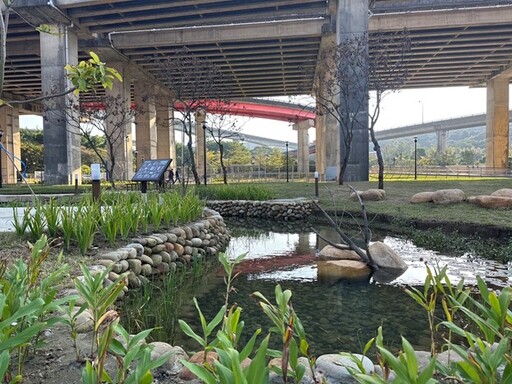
(6, 217)
(7, 213)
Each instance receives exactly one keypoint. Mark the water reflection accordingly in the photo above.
(270, 247)
(338, 315)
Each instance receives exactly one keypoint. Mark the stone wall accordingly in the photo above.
(281, 210)
(163, 253)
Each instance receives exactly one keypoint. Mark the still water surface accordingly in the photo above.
(338, 315)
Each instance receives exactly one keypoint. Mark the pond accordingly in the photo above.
(337, 315)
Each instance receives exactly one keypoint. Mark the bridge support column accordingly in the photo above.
(119, 125)
(200, 136)
(352, 22)
(442, 135)
(166, 146)
(145, 123)
(497, 148)
(303, 145)
(62, 157)
(9, 124)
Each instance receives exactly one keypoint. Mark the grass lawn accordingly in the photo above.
(335, 197)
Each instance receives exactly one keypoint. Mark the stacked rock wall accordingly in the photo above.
(163, 253)
(283, 210)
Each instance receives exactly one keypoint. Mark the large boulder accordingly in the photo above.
(492, 202)
(333, 368)
(422, 197)
(175, 355)
(504, 192)
(334, 270)
(384, 256)
(332, 253)
(369, 195)
(448, 196)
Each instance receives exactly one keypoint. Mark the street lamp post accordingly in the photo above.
(287, 170)
(1, 147)
(422, 112)
(204, 153)
(415, 158)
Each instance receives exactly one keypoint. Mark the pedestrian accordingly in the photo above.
(170, 178)
(178, 176)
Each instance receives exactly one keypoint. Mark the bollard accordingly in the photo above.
(316, 184)
(95, 177)
(76, 184)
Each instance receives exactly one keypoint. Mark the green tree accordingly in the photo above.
(470, 156)
(276, 160)
(239, 154)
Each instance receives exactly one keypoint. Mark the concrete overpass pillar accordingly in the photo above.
(9, 124)
(166, 146)
(303, 145)
(352, 22)
(119, 124)
(303, 247)
(327, 136)
(145, 122)
(497, 148)
(200, 132)
(442, 135)
(62, 157)
(319, 145)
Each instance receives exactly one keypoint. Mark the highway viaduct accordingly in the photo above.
(263, 47)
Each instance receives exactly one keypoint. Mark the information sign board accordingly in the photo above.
(152, 170)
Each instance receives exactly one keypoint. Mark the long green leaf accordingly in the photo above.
(190, 333)
(201, 372)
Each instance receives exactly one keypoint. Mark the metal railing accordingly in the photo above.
(451, 171)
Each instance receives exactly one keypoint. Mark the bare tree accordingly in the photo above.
(340, 90)
(387, 73)
(348, 70)
(194, 82)
(108, 117)
(223, 126)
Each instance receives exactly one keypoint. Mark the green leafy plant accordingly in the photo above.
(71, 319)
(427, 298)
(51, 212)
(405, 367)
(207, 328)
(88, 73)
(37, 222)
(109, 224)
(228, 367)
(67, 224)
(28, 304)
(86, 226)
(21, 225)
(97, 297)
(288, 325)
(154, 211)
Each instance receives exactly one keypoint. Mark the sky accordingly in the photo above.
(398, 109)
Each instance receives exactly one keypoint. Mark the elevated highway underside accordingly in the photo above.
(264, 47)
(261, 47)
